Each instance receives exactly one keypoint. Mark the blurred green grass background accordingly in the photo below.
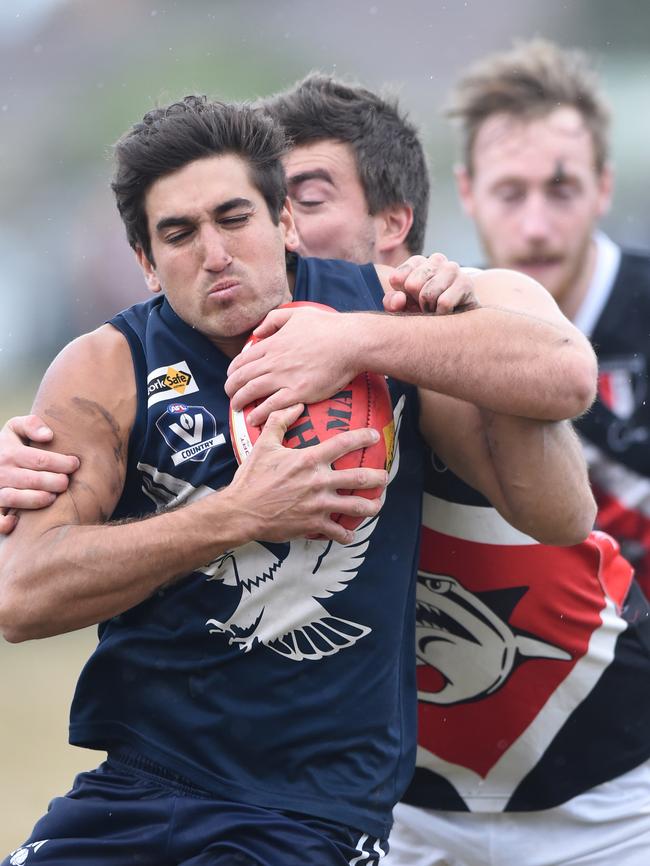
(37, 681)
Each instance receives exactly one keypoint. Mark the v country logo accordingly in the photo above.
(190, 431)
(165, 383)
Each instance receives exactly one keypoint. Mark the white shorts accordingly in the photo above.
(606, 826)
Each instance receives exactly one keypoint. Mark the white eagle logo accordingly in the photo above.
(279, 605)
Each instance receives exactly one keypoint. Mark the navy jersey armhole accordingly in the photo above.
(136, 437)
(371, 279)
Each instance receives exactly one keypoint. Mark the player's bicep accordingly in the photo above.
(504, 288)
(91, 412)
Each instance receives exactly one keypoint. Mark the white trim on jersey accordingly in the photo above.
(470, 522)
(608, 260)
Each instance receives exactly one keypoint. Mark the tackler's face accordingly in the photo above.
(216, 252)
(329, 203)
(536, 195)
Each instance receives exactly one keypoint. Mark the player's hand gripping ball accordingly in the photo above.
(365, 402)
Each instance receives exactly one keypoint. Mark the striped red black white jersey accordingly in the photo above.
(533, 661)
(616, 431)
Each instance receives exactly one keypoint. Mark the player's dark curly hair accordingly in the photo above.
(169, 138)
(389, 156)
(528, 82)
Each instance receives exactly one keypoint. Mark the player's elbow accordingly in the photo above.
(9, 620)
(15, 628)
(571, 533)
(581, 522)
(567, 528)
(581, 376)
(17, 616)
(13, 636)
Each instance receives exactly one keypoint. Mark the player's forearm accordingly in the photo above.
(59, 574)
(76, 576)
(542, 478)
(500, 360)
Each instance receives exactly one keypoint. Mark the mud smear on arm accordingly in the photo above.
(89, 487)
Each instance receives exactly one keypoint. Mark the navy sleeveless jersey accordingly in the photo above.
(533, 661)
(616, 430)
(280, 675)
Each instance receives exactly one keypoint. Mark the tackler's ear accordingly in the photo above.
(464, 187)
(291, 239)
(605, 189)
(393, 225)
(149, 271)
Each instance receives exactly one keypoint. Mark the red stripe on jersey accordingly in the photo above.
(605, 390)
(626, 524)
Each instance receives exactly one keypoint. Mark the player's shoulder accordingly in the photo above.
(636, 254)
(342, 284)
(93, 352)
(138, 315)
(635, 264)
(94, 369)
(631, 284)
(335, 266)
(516, 291)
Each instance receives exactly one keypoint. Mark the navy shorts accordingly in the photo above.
(120, 816)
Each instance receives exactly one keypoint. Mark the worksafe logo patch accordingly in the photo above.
(165, 383)
(190, 431)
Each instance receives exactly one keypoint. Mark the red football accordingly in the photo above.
(365, 402)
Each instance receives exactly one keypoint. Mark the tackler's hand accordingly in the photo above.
(431, 285)
(300, 357)
(30, 478)
(283, 493)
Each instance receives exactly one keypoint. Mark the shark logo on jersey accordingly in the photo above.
(473, 648)
(190, 431)
(279, 605)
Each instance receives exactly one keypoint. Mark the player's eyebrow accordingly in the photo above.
(167, 222)
(219, 210)
(231, 204)
(313, 174)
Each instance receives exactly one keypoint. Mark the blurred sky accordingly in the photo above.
(76, 73)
